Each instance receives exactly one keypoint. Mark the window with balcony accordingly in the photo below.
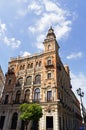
(49, 62)
(49, 75)
(37, 94)
(49, 95)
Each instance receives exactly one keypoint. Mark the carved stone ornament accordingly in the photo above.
(49, 108)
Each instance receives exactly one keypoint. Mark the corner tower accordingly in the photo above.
(50, 43)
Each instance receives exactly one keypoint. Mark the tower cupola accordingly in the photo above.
(51, 34)
(50, 43)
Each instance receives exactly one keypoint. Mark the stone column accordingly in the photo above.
(8, 120)
(18, 123)
(56, 119)
(42, 122)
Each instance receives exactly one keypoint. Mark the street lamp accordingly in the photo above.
(81, 94)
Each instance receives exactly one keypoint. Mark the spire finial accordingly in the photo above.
(51, 27)
(51, 32)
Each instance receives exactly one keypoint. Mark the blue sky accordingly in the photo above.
(24, 25)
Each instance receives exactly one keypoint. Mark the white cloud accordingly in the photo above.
(79, 81)
(36, 7)
(3, 27)
(31, 6)
(32, 29)
(51, 6)
(52, 14)
(2, 30)
(12, 42)
(75, 55)
(39, 43)
(40, 46)
(25, 53)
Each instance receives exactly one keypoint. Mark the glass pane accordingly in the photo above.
(38, 79)
(49, 95)
(37, 94)
(29, 80)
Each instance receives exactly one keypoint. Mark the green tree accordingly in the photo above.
(30, 112)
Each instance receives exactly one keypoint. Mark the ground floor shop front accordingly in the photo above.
(54, 118)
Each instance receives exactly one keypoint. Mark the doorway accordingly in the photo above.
(2, 122)
(49, 122)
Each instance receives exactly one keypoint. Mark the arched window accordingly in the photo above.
(49, 47)
(18, 94)
(49, 62)
(20, 81)
(9, 81)
(27, 95)
(31, 65)
(29, 80)
(49, 75)
(21, 67)
(37, 64)
(37, 94)
(6, 99)
(40, 63)
(28, 66)
(38, 79)
(14, 121)
(12, 69)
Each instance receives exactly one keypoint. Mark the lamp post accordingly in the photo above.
(81, 94)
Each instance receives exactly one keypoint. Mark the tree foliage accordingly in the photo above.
(30, 112)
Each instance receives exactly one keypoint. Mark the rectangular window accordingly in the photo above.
(49, 95)
(49, 76)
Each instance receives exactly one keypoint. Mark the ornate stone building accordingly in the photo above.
(2, 81)
(40, 78)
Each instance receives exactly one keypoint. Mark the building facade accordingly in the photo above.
(2, 81)
(40, 78)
